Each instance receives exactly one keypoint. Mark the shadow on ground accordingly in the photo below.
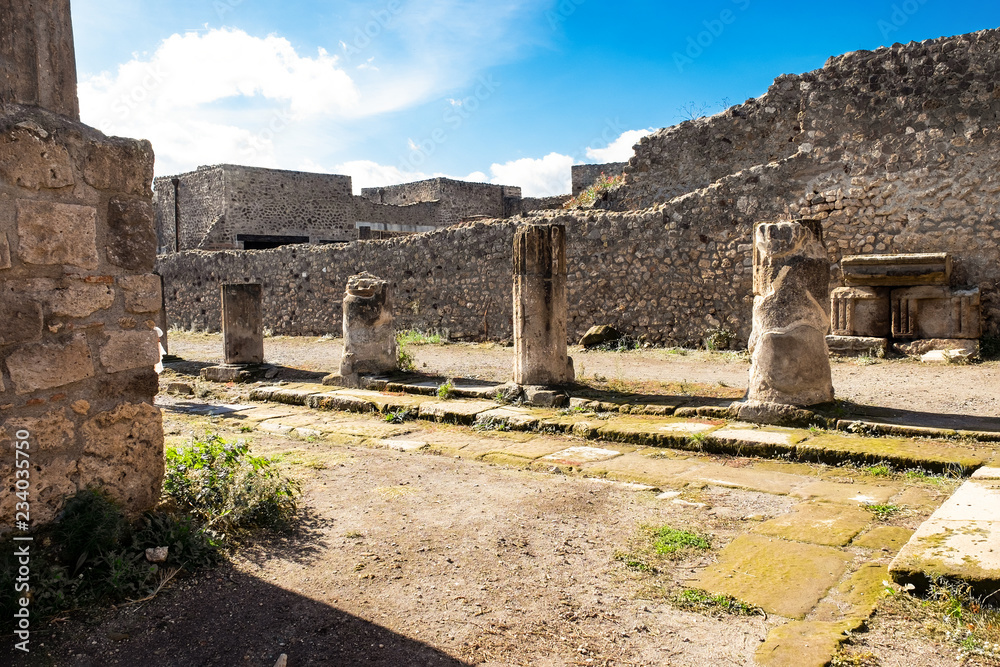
(228, 618)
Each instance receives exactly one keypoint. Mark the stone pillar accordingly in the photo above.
(540, 310)
(369, 332)
(243, 323)
(790, 361)
(37, 58)
(78, 297)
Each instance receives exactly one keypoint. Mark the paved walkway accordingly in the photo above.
(822, 566)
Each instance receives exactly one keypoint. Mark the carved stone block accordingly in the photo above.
(860, 311)
(936, 312)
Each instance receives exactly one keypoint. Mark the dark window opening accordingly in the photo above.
(266, 242)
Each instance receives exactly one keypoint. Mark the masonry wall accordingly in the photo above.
(418, 216)
(78, 301)
(585, 175)
(895, 150)
(458, 199)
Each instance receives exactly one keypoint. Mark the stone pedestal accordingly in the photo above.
(790, 361)
(369, 330)
(935, 312)
(78, 299)
(860, 311)
(540, 308)
(243, 323)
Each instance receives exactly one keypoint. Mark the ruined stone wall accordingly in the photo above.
(459, 199)
(585, 175)
(422, 215)
(529, 204)
(78, 301)
(199, 197)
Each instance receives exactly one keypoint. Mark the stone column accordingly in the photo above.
(540, 310)
(790, 361)
(243, 323)
(37, 58)
(369, 332)
(78, 299)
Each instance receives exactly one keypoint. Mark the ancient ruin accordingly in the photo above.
(79, 300)
(790, 361)
(540, 306)
(242, 335)
(369, 330)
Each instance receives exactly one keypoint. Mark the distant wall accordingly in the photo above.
(585, 175)
(459, 200)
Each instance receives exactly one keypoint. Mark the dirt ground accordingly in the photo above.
(422, 559)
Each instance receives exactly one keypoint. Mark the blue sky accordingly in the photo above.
(507, 91)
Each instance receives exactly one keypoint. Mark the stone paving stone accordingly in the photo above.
(929, 455)
(960, 541)
(456, 412)
(285, 394)
(781, 577)
(754, 442)
(884, 538)
(986, 473)
(403, 445)
(818, 523)
(521, 419)
(579, 456)
(687, 427)
(855, 597)
(865, 494)
(637, 466)
(804, 643)
(335, 400)
(275, 426)
(745, 478)
(921, 498)
(534, 448)
(644, 431)
(256, 414)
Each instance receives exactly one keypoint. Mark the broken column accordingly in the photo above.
(790, 364)
(242, 335)
(369, 331)
(540, 308)
(78, 299)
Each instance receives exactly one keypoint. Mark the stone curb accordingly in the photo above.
(796, 446)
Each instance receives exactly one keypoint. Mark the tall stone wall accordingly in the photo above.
(459, 200)
(416, 217)
(78, 301)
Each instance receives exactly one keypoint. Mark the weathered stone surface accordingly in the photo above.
(578, 456)
(20, 316)
(125, 350)
(369, 332)
(235, 372)
(120, 165)
(455, 412)
(784, 578)
(774, 414)
(854, 346)
(860, 311)
(884, 538)
(804, 643)
(76, 298)
(50, 432)
(4, 251)
(544, 397)
(818, 523)
(917, 348)
(897, 270)
(131, 236)
(242, 327)
(36, 46)
(143, 293)
(599, 334)
(936, 312)
(791, 363)
(30, 161)
(51, 233)
(540, 306)
(52, 483)
(52, 364)
(123, 453)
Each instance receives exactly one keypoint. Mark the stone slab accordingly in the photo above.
(235, 373)
(533, 449)
(756, 441)
(986, 473)
(51, 233)
(897, 270)
(856, 346)
(976, 500)
(965, 551)
(884, 538)
(579, 456)
(783, 578)
(519, 419)
(902, 453)
(745, 478)
(637, 466)
(818, 523)
(47, 365)
(456, 412)
(126, 350)
(289, 395)
(804, 643)
(335, 400)
(687, 427)
(863, 494)
(403, 445)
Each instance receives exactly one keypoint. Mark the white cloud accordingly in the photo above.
(542, 177)
(619, 150)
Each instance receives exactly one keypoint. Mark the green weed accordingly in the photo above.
(590, 195)
(414, 337)
(671, 541)
(694, 599)
(883, 512)
(446, 390)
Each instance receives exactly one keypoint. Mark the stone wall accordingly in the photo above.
(460, 200)
(585, 175)
(416, 217)
(78, 301)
